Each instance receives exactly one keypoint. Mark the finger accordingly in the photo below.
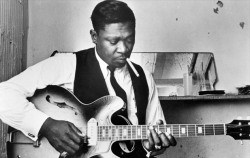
(68, 149)
(171, 139)
(77, 130)
(156, 138)
(76, 134)
(71, 146)
(165, 141)
(150, 141)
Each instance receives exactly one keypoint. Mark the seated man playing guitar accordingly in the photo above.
(91, 74)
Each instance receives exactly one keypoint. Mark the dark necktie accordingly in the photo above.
(118, 90)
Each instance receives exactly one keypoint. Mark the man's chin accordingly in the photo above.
(120, 64)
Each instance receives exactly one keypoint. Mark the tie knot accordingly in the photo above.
(112, 69)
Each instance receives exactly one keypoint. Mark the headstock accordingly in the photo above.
(239, 129)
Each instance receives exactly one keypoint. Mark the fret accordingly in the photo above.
(117, 132)
(209, 130)
(129, 133)
(139, 132)
(168, 129)
(144, 132)
(124, 132)
(195, 131)
(106, 133)
(179, 131)
(133, 132)
(219, 129)
(113, 132)
(162, 129)
(200, 130)
(176, 129)
(204, 129)
(172, 128)
(213, 129)
(224, 127)
(183, 131)
(191, 130)
(103, 133)
(120, 132)
(99, 133)
(110, 132)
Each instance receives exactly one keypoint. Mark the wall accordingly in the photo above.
(12, 34)
(163, 25)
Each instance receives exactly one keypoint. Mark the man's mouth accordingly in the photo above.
(121, 58)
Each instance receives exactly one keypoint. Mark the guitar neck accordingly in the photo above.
(138, 132)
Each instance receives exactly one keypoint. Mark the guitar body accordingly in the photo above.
(60, 104)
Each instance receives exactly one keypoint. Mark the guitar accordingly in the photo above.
(95, 120)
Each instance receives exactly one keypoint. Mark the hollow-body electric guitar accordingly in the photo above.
(95, 120)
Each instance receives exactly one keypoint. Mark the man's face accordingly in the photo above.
(115, 43)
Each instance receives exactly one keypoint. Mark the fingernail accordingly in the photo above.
(81, 134)
(159, 132)
(151, 127)
(148, 132)
(167, 133)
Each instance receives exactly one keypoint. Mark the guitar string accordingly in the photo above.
(219, 130)
(131, 132)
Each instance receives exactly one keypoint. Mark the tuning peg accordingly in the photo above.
(241, 142)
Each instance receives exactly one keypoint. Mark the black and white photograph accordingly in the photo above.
(124, 79)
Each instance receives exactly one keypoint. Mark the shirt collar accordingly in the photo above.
(104, 65)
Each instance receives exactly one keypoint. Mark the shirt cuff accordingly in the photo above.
(32, 123)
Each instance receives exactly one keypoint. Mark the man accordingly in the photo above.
(88, 74)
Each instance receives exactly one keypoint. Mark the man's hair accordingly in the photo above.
(111, 11)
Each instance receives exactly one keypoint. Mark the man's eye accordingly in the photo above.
(130, 40)
(113, 42)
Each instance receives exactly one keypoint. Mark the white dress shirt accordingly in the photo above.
(18, 112)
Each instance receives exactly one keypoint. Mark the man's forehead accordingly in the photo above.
(118, 28)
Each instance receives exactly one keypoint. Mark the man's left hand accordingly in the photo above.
(158, 142)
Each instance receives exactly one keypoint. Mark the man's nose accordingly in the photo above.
(121, 47)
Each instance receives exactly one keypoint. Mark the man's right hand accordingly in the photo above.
(62, 135)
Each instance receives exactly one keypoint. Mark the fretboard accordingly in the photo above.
(132, 132)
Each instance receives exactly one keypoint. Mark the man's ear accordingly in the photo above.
(93, 35)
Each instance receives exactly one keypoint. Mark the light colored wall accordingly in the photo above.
(168, 26)
(162, 25)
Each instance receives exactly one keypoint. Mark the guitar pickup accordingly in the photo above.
(92, 132)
